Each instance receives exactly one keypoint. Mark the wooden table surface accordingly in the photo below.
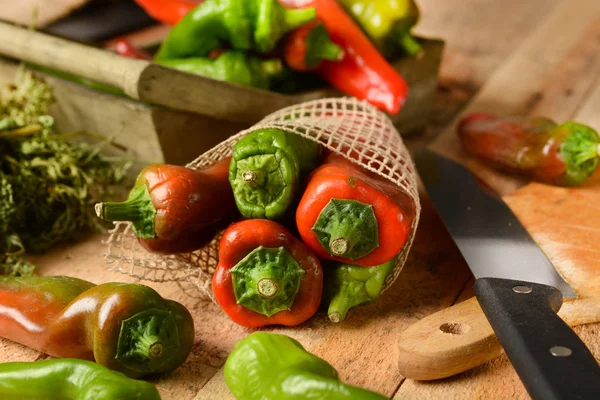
(512, 56)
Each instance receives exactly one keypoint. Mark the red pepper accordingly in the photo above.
(537, 147)
(308, 45)
(176, 209)
(363, 72)
(124, 48)
(266, 276)
(168, 11)
(351, 215)
(125, 327)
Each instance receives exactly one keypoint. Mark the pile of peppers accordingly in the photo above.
(267, 43)
(300, 226)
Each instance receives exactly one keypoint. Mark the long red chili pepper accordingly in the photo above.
(266, 276)
(168, 11)
(538, 148)
(351, 215)
(363, 72)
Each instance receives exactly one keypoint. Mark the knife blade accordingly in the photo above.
(516, 284)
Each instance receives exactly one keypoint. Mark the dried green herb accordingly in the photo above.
(48, 185)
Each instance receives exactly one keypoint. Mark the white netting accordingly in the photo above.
(347, 126)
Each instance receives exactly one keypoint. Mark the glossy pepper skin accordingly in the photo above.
(125, 327)
(538, 148)
(265, 276)
(363, 72)
(168, 11)
(266, 171)
(268, 366)
(125, 48)
(351, 215)
(387, 22)
(308, 45)
(242, 24)
(175, 209)
(69, 379)
(231, 66)
(350, 286)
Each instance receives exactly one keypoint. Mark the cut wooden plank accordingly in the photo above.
(22, 11)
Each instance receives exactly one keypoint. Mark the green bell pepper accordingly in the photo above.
(266, 170)
(231, 66)
(69, 379)
(243, 24)
(352, 285)
(387, 22)
(267, 366)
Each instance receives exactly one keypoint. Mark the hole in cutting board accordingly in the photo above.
(454, 328)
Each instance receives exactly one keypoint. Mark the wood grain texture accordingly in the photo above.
(22, 11)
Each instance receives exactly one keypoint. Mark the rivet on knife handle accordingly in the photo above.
(447, 342)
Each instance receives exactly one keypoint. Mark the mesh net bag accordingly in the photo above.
(347, 126)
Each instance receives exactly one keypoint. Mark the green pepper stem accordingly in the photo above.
(340, 304)
(327, 50)
(149, 346)
(267, 287)
(294, 18)
(138, 209)
(411, 45)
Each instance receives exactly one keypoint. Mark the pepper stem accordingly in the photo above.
(339, 246)
(347, 228)
(266, 280)
(148, 340)
(340, 304)
(249, 176)
(271, 67)
(138, 209)
(320, 47)
(411, 45)
(294, 18)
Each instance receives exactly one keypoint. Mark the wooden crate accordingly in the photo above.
(196, 113)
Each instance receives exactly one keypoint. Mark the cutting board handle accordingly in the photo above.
(88, 62)
(448, 342)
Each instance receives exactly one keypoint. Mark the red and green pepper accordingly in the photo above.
(242, 24)
(265, 276)
(175, 209)
(125, 327)
(538, 148)
(351, 215)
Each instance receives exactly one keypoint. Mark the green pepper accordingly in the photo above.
(387, 22)
(352, 285)
(231, 66)
(243, 24)
(269, 366)
(266, 170)
(69, 379)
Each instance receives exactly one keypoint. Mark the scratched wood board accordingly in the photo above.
(362, 347)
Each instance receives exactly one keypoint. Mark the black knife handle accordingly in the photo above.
(537, 341)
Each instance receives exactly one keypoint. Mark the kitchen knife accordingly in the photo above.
(516, 285)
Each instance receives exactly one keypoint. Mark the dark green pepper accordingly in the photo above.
(267, 366)
(69, 379)
(352, 285)
(387, 22)
(231, 66)
(266, 170)
(243, 24)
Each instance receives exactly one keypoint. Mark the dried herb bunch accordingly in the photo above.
(48, 184)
